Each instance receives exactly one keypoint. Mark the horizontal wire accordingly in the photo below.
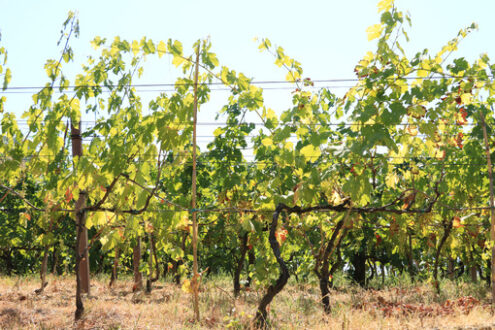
(375, 157)
(412, 161)
(173, 90)
(261, 82)
(25, 122)
(211, 138)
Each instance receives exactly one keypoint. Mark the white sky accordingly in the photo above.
(327, 37)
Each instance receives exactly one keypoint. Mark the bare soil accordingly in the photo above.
(297, 307)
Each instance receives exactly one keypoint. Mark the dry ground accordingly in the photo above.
(297, 307)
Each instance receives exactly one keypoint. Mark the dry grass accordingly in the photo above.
(297, 307)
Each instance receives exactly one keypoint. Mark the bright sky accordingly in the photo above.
(327, 36)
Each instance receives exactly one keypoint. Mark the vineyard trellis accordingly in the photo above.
(384, 169)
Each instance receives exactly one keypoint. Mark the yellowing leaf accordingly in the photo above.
(369, 56)
(311, 152)
(417, 111)
(177, 60)
(412, 130)
(467, 98)
(335, 198)
(96, 42)
(281, 236)
(187, 287)
(439, 154)
(3, 99)
(267, 142)
(270, 114)
(422, 73)
(135, 47)
(218, 131)
(454, 243)
(391, 180)
(97, 218)
(457, 222)
(385, 5)
(68, 195)
(162, 48)
(374, 31)
(404, 87)
(292, 76)
(212, 59)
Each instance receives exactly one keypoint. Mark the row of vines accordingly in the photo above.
(395, 176)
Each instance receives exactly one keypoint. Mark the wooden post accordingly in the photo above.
(492, 210)
(82, 237)
(81, 257)
(149, 280)
(195, 279)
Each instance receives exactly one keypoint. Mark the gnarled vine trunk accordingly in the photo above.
(43, 270)
(152, 255)
(447, 226)
(251, 261)
(323, 272)
(115, 266)
(55, 260)
(358, 261)
(261, 313)
(240, 264)
(136, 260)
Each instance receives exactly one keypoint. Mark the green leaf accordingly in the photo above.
(460, 65)
(148, 46)
(151, 46)
(142, 197)
(7, 78)
(394, 116)
(359, 188)
(369, 111)
(211, 60)
(175, 48)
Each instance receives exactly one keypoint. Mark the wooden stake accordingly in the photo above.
(195, 279)
(82, 244)
(80, 215)
(492, 210)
